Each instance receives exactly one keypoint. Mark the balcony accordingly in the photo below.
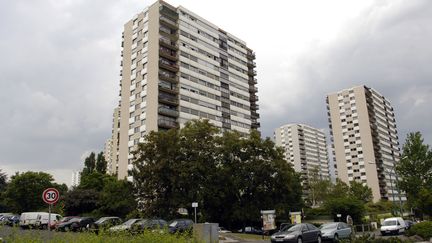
(168, 22)
(167, 89)
(252, 80)
(168, 99)
(168, 112)
(168, 43)
(171, 36)
(167, 123)
(253, 89)
(252, 72)
(171, 55)
(169, 78)
(253, 98)
(168, 66)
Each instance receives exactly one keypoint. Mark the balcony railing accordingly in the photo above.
(168, 43)
(172, 90)
(167, 99)
(168, 66)
(172, 79)
(167, 123)
(170, 23)
(168, 112)
(171, 55)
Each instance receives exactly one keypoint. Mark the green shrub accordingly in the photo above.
(370, 238)
(104, 237)
(423, 229)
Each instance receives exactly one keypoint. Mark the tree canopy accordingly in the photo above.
(24, 191)
(232, 177)
(415, 173)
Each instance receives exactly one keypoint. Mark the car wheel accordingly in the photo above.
(336, 238)
(299, 240)
(319, 239)
(67, 228)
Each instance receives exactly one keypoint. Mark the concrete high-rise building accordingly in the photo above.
(177, 66)
(76, 178)
(365, 141)
(112, 145)
(306, 148)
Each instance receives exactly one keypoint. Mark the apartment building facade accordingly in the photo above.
(365, 143)
(177, 66)
(305, 147)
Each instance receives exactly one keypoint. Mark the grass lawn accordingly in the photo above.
(247, 236)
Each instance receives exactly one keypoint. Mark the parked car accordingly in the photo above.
(223, 230)
(126, 226)
(408, 224)
(180, 225)
(43, 218)
(13, 220)
(75, 224)
(394, 225)
(251, 230)
(63, 220)
(4, 219)
(335, 231)
(29, 219)
(298, 233)
(105, 223)
(149, 224)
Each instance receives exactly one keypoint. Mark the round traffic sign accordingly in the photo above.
(50, 195)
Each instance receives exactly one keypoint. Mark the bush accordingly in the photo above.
(18, 236)
(370, 238)
(423, 229)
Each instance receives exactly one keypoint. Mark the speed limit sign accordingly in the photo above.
(50, 195)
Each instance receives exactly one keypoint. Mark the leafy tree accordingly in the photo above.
(81, 201)
(116, 198)
(101, 164)
(345, 206)
(89, 164)
(415, 172)
(94, 180)
(361, 192)
(3, 181)
(318, 187)
(230, 176)
(24, 192)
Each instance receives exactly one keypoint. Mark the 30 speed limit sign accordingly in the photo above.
(50, 195)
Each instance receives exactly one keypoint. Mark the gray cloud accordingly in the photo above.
(387, 48)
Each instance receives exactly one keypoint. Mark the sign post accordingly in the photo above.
(50, 196)
(195, 205)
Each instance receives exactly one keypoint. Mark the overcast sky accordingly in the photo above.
(60, 62)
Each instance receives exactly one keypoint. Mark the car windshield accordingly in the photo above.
(130, 222)
(294, 228)
(389, 222)
(328, 226)
(101, 220)
(173, 223)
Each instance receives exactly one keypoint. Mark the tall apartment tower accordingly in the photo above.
(365, 142)
(306, 148)
(112, 145)
(177, 66)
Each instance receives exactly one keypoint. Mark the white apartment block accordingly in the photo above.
(76, 178)
(365, 142)
(305, 147)
(177, 66)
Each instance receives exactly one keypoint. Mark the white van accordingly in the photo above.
(29, 219)
(42, 220)
(394, 225)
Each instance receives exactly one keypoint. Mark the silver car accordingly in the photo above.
(335, 231)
